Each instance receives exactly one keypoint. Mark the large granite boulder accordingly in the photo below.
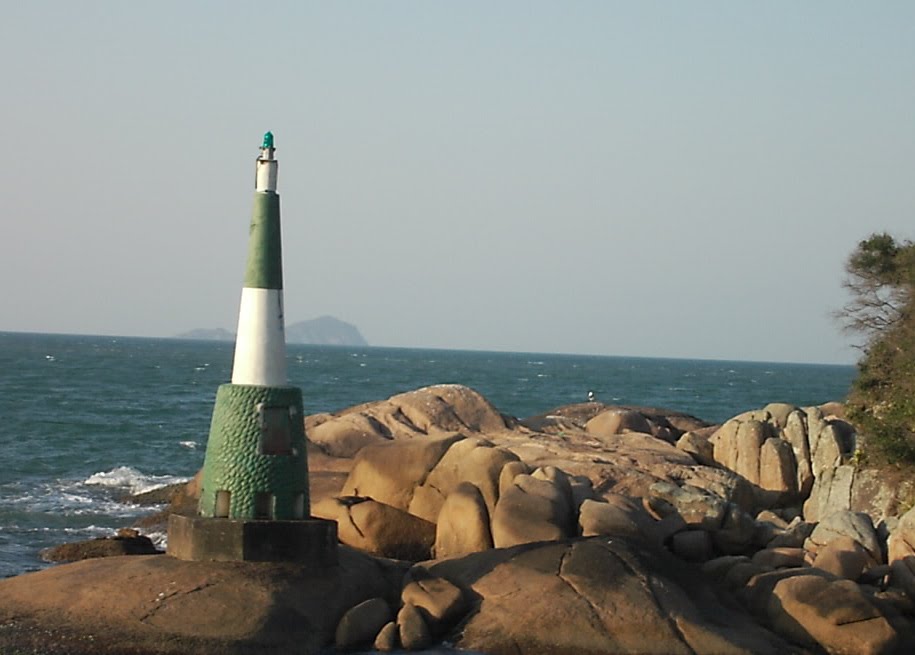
(473, 460)
(390, 472)
(529, 510)
(379, 529)
(835, 615)
(596, 596)
(161, 605)
(463, 523)
(126, 542)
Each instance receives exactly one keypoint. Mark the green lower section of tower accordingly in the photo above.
(265, 259)
(256, 464)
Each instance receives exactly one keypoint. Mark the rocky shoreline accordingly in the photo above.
(589, 529)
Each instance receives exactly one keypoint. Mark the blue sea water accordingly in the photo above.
(84, 420)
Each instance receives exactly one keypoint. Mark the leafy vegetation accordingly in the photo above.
(881, 281)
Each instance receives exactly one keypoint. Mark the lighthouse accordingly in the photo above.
(254, 502)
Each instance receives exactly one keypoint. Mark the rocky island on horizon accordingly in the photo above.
(321, 331)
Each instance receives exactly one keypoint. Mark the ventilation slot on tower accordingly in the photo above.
(263, 505)
(223, 500)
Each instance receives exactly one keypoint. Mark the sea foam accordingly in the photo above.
(131, 480)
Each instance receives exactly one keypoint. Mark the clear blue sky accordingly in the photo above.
(676, 179)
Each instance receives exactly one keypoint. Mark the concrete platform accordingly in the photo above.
(308, 541)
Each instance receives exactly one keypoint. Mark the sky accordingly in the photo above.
(659, 179)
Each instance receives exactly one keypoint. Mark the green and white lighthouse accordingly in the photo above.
(254, 492)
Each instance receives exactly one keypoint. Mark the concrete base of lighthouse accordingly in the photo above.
(308, 541)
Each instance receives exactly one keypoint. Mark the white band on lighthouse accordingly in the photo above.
(260, 347)
(265, 176)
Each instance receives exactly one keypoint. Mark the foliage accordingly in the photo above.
(881, 281)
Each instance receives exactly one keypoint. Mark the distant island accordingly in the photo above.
(324, 331)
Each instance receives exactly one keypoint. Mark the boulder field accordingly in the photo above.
(588, 529)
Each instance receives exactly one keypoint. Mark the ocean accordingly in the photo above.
(85, 420)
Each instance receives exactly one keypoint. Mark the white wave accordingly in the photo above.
(132, 480)
(192, 445)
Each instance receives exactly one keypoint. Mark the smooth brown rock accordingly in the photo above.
(389, 472)
(616, 516)
(100, 547)
(412, 628)
(388, 638)
(159, 604)
(843, 557)
(463, 523)
(509, 472)
(377, 528)
(795, 433)
(593, 596)
(530, 510)
(472, 460)
(855, 525)
(697, 507)
(700, 448)
(836, 615)
(750, 437)
(440, 602)
(615, 422)
(778, 469)
(361, 624)
(347, 435)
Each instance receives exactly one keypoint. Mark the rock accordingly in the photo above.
(795, 433)
(617, 516)
(826, 452)
(718, 568)
(412, 628)
(472, 460)
(750, 437)
(582, 490)
(700, 448)
(692, 545)
(836, 615)
(160, 604)
(463, 523)
(440, 602)
(856, 525)
(530, 510)
(559, 479)
(377, 528)
(697, 508)
(447, 408)
(508, 474)
(347, 435)
(902, 575)
(778, 470)
(794, 535)
(389, 472)
(883, 493)
(757, 592)
(779, 413)
(737, 531)
(724, 444)
(388, 638)
(361, 624)
(614, 422)
(901, 543)
(131, 544)
(843, 557)
(779, 558)
(591, 596)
